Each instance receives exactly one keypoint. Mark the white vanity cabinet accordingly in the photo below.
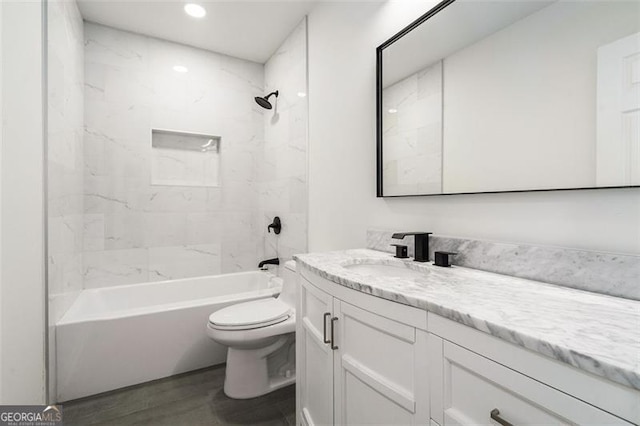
(356, 367)
(476, 378)
(366, 360)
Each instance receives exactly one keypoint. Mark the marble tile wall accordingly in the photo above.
(65, 116)
(282, 171)
(412, 132)
(134, 231)
(606, 273)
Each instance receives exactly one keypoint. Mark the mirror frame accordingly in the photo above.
(379, 114)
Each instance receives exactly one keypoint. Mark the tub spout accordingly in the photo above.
(274, 261)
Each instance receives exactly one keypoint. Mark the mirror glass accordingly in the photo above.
(493, 96)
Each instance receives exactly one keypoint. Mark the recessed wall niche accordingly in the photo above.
(184, 159)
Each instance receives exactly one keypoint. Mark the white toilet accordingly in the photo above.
(261, 338)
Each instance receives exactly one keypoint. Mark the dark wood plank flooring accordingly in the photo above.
(194, 398)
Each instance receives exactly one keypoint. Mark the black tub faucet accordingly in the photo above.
(422, 244)
(274, 261)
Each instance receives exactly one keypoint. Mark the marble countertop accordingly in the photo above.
(596, 333)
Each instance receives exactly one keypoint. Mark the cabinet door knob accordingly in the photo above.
(495, 415)
(324, 327)
(333, 345)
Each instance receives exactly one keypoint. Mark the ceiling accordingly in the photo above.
(251, 30)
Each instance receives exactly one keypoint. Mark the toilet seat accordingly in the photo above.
(249, 315)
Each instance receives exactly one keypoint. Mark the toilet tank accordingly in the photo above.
(289, 284)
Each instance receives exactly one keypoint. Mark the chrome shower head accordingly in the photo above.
(264, 101)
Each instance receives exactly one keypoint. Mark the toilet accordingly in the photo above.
(261, 338)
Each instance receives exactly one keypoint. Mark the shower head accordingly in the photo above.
(264, 101)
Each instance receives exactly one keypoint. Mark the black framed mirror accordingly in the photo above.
(510, 96)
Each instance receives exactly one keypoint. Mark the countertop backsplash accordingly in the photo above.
(606, 273)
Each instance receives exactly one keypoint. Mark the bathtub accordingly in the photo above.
(119, 336)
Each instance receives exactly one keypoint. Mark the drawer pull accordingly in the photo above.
(324, 327)
(333, 345)
(495, 415)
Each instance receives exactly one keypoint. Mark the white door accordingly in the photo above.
(314, 356)
(618, 114)
(380, 370)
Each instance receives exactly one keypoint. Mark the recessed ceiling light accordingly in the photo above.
(392, 110)
(195, 10)
(180, 68)
(302, 94)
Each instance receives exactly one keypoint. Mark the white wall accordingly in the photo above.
(342, 170)
(22, 292)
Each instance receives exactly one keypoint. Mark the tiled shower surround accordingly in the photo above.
(137, 232)
(282, 171)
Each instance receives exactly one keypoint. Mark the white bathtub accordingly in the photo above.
(119, 336)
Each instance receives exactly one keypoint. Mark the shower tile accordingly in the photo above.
(165, 229)
(118, 122)
(239, 256)
(110, 195)
(239, 225)
(214, 199)
(94, 81)
(166, 263)
(126, 158)
(294, 232)
(93, 232)
(238, 166)
(292, 161)
(238, 195)
(115, 48)
(282, 172)
(123, 231)
(298, 124)
(205, 228)
(274, 195)
(130, 85)
(65, 235)
(298, 199)
(115, 267)
(177, 199)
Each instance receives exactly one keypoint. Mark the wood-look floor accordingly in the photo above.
(194, 398)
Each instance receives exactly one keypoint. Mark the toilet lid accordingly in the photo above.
(257, 312)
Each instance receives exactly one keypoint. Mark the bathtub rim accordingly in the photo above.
(272, 291)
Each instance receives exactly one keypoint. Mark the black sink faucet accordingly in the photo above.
(422, 244)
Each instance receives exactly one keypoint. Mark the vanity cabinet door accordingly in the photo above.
(314, 356)
(478, 390)
(380, 370)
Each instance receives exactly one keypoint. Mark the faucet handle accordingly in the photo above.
(401, 251)
(442, 258)
(276, 225)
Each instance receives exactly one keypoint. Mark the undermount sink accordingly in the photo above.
(382, 270)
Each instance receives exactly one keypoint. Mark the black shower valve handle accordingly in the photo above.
(276, 225)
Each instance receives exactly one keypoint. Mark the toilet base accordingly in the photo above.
(254, 372)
